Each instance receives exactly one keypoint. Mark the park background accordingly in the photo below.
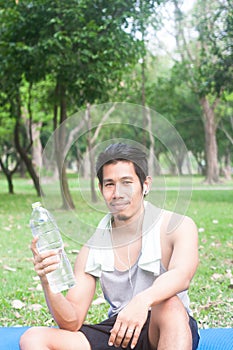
(60, 59)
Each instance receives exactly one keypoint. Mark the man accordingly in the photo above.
(145, 258)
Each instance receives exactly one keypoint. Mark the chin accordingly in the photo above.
(122, 217)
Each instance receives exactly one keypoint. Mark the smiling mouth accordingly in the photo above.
(118, 206)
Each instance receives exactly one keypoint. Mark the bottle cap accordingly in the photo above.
(36, 205)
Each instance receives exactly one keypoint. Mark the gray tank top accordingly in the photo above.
(119, 287)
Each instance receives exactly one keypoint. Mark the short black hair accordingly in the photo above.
(123, 152)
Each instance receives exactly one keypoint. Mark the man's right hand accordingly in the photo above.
(44, 262)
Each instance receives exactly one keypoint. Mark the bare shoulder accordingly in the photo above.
(178, 225)
(179, 242)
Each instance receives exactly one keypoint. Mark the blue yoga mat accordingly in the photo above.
(210, 339)
(216, 339)
(9, 337)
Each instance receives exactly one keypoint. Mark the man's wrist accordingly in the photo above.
(145, 298)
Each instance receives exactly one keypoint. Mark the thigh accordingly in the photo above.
(38, 338)
(98, 335)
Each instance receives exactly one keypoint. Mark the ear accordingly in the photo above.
(100, 187)
(147, 185)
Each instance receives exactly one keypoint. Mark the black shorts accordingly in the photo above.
(98, 335)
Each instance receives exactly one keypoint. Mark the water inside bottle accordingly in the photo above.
(49, 238)
(62, 278)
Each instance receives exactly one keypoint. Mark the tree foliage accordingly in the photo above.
(81, 46)
(206, 53)
(59, 56)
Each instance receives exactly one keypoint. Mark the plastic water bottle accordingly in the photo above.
(44, 226)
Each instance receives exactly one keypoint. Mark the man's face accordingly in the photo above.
(122, 191)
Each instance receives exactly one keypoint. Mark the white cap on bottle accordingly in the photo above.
(36, 205)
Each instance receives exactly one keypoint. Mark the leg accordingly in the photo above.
(44, 338)
(169, 326)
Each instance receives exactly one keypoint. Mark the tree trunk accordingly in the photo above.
(91, 141)
(8, 175)
(27, 160)
(143, 96)
(60, 139)
(10, 183)
(211, 148)
(22, 169)
(24, 152)
(227, 165)
(94, 197)
(86, 165)
(151, 158)
(36, 147)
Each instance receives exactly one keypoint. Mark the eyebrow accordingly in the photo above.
(122, 178)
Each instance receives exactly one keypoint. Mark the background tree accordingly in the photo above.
(83, 46)
(12, 79)
(174, 100)
(57, 58)
(225, 135)
(205, 65)
(9, 159)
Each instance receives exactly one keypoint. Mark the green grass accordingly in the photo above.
(211, 289)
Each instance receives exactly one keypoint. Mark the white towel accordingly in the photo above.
(101, 255)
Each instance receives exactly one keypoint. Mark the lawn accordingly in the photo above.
(211, 207)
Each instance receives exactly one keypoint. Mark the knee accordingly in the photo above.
(29, 338)
(171, 309)
(173, 305)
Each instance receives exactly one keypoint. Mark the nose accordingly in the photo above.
(117, 193)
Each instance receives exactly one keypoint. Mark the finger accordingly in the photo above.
(136, 335)
(128, 335)
(120, 336)
(41, 257)
(113, 332)
(33, 245)
(49, 262)
(47, 269)
(47, 254)
(44, 266)
(43, 271)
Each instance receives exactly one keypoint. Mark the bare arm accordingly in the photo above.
(68, 311)
(182, 263)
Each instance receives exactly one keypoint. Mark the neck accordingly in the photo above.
(127, 232)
